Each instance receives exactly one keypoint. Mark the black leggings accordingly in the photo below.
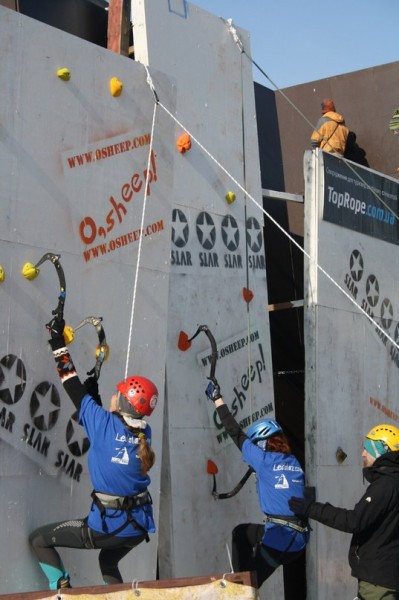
(73, 534)
(249, 554)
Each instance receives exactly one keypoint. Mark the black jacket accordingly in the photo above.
(374, 522)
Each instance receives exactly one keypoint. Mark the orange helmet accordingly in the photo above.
(141, 394)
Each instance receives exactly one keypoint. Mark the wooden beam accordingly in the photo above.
(245, 578)
(119, 26)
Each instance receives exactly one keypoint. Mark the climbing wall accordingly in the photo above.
(352, 335)
(218, 278)
(75, 173)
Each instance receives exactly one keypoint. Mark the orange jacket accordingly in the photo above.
(331, 133)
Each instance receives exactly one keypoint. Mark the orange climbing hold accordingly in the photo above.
(248, 294)
(184, 343)
(183, 143)
(212, 468)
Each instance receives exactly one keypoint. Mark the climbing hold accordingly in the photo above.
(340, 455)
(230, 197)
(184, 343)
(69, 334)
(64, 74)
(29, 271)
(211, 467)
(183, 143)
(247, 294)
(2, 274)
(115, 87)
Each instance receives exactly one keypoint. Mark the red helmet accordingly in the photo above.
(140, 393)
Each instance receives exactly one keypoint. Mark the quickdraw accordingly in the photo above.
(30, 271)
(214, 355)
(102, 348)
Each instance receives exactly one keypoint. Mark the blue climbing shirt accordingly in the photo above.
(114, 468)
(279, 476)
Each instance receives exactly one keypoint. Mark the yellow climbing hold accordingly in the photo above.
(69, 334)
(115, 87)
(230, 197)
(99, 350)
(29, 271)
(2, 274)
(64, 74)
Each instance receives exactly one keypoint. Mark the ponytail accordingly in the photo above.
(279, 443)
(146, 454)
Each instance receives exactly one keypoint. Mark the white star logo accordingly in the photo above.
(12, 379)
(180, 229)
(254, 236)
(230, 233)
(356, 265)
(206, 231)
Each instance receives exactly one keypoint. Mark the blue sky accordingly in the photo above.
(296, 41)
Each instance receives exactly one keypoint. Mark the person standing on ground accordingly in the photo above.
(282, 537)
(374, 521)
(120, 457)
(331, 132)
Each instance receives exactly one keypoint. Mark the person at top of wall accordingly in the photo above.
(331, 132)
(374, 521)
(282, 537)
(120, 457)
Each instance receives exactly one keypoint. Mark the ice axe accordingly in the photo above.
(213, 470)
(184, 343)
(30, 272)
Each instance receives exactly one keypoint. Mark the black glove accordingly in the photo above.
(301, 506)
(91, 385)
(213, 390)
(56, 327)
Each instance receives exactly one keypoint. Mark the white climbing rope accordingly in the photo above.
(242, 50)
(141, 235)
(248, 195)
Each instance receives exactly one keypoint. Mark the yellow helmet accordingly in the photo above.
(388, 435)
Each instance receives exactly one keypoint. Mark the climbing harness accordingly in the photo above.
(292, 522)
(117, 503)
(102, 348)
(103, 501)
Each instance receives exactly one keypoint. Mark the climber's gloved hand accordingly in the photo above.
(301, 506)
(56, 327)
(213, 390)
(91, 385)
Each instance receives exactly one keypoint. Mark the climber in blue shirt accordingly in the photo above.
(282, 537)
(120, 457)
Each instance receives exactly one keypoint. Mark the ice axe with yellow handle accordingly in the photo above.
(102, 349)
